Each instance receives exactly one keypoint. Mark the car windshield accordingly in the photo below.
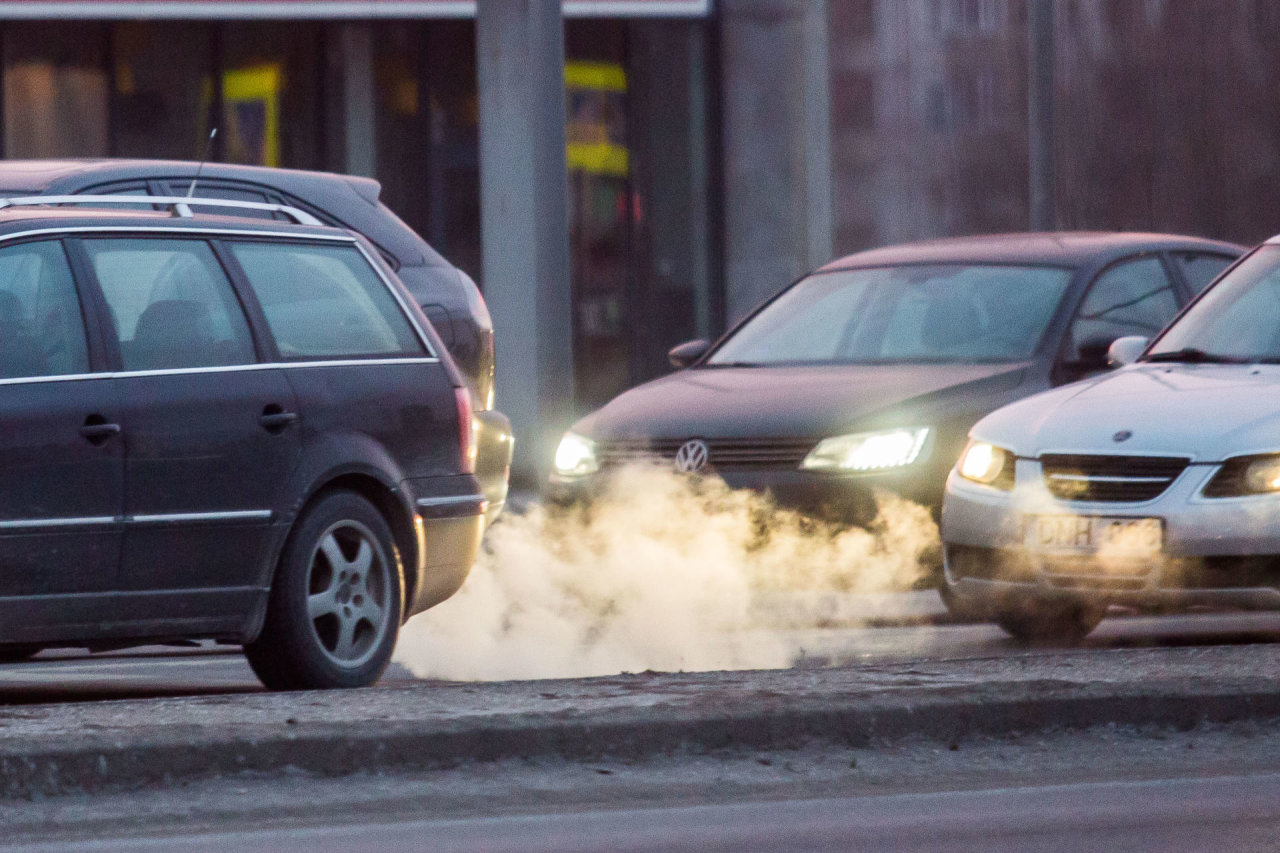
(933, 313)
(1237, 320)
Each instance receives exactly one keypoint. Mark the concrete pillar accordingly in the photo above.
(817, 130)
(1040, 178)
(524, 221)
(358, 97)
(777, 145)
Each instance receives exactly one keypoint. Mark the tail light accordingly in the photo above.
(466, 431)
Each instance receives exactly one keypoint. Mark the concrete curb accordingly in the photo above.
(164, 755)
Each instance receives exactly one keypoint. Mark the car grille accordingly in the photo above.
(1110, 478)
(724, 454)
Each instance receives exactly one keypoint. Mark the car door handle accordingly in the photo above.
(275, 420)
(98, 431)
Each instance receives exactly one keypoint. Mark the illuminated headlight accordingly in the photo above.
(1246, 475)
(987, 464)
(867, 451)
(576, 456)
(1263, 475)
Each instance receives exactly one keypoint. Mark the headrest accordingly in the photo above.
(181, 321)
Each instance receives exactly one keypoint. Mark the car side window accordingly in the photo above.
(128, 188)
(226, 193)
(1200, 268)
(171, 304)
(41, 325)
(325, 301)
(1129, 298)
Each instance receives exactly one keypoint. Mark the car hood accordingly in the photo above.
(1207, 412)
(808, 401)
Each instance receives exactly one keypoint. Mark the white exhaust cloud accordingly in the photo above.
(661, 572)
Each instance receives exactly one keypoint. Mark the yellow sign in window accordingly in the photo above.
(597, 118)
(251, 110)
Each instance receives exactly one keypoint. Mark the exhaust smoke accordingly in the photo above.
(660, 572)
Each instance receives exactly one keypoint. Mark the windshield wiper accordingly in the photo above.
(731, 364)
(1192, 355)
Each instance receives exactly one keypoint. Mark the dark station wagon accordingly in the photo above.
(214, 426)
(446, 294)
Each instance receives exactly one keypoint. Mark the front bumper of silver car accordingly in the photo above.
(1216, 551)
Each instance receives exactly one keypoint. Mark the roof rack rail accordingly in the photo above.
(181, 206)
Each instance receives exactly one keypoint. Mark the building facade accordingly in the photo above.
(1164, 117)
(312, 85)
(717, 149)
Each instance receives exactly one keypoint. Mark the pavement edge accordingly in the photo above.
(36, 768)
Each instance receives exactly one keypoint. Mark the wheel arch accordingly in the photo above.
(390, 503)
(378, 484)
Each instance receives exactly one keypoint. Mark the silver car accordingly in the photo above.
(1156, 485)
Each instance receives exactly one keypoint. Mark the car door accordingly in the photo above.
(61, 455)
(362, 373)
(1134, 296)
(209, 430)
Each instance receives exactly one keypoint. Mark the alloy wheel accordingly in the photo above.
(348, 588)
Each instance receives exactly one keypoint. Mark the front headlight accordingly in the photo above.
(1263, 475)
(987, 464)
(867, 451)
(1245, 475)
(576, 456)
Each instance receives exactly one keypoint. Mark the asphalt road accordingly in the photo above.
(70, 675)
(1183, 814)
(1116, 790)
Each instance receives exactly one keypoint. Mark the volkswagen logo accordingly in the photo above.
(692, 456)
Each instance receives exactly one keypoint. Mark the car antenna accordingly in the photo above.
(208, 147)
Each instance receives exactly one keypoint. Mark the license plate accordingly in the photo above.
(1090, 534)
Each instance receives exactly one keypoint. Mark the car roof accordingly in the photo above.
(35, 176)
(21, 220)
(352, 200)
(1056, 248)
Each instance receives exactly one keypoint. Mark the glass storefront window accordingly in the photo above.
(600, 206)
(671, 179)
(271, 95)
(402, 109)
(160, 89)
(452, 222)
(55, 91)
(637, 142)
(636, 107)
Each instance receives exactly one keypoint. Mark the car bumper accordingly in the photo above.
(848, 499)
(494, 449)
(448, 529)
(1216, 551)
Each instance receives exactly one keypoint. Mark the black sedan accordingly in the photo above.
(869, 372)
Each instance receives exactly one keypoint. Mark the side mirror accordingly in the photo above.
(1093, 353)
(1091, 359)
(1126, 350)
(687, 353)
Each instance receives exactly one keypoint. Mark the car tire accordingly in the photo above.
(19, 653)
(1057, 621)
(335, 605)
(960, 607)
